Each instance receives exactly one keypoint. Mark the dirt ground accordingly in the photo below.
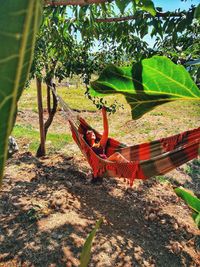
(49, 205)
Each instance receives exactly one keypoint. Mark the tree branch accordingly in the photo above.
(41, 150)
(146, 15)
(52, 111)
(74, 2)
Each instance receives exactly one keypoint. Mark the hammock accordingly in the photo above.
(145, 160)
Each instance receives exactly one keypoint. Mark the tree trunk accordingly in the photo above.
(48, 99)
(41, 150)
(51, 111)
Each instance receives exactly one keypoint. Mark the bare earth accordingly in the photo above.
(48, 206)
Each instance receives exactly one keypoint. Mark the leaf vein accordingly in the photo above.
(169, 78)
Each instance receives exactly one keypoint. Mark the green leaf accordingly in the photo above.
(86, 251)
(82, 12)
(122, 4)
(147, 5)
(19, 22)
(147, 84)
(197, 12)
(170, 26)
(103, 6)
(192, 201)
(181, 25)
(157, 27)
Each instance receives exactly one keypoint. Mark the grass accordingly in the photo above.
(31, 137)
(161, 179)
(74, 96)
(29, 99)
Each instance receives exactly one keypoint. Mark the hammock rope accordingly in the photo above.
(68, 112)
(145, 160)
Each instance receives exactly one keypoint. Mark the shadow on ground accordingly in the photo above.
(49, 206)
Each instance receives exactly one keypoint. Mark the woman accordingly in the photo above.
(99, 147)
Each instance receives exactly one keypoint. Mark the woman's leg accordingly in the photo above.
(117, 157)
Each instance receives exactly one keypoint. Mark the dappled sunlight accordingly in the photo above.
(57, 220)
(52, 212)
(69, 257)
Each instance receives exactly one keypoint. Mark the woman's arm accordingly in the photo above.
(104, 137)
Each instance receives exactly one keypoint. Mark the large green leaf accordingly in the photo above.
(19, 22)
(86, 251)
(147, 84)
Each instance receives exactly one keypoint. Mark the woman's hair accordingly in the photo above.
(89, 131)
(86, 134)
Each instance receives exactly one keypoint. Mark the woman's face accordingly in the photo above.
(90, 135)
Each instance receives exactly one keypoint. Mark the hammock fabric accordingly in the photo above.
(145, 160)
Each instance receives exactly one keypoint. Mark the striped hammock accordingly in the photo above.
(145, 160)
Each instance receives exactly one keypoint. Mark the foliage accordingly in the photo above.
(147, 5)
(96, 44)
(192, 201)
(53, 45)
(197, 12)
(147, 84)
(184, 49)
(86, 251)
(60, 32)
(19, 23)
(54, 57)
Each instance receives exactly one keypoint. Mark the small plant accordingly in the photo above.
(86, 251)
(33, 214)
(192, 201)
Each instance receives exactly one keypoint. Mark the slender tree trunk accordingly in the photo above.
(51, 111)
(48, 99)
(41, 150)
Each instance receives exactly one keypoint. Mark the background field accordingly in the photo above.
(168, 119)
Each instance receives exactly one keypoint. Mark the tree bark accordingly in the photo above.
(48, 99)
(146, 15)
(41, 150)
(74, 2)
(51, 111)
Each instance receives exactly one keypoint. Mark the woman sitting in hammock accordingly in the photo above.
(99, 147)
